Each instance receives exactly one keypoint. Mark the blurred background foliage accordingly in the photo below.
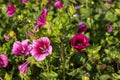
(100, 61)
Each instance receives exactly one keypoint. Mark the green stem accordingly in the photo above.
(63, 58)
(78, 69)
(86, 3)
(9, 1)
(47, 65)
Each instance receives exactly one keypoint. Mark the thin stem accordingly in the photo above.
(9, 1)
(63, 58)
(86, 3)
(76, 72)
(117, 66)
(47, 65)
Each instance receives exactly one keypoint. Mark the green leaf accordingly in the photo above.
(74, 71)
(104, 77)
(49, 16)
(71, 9)
(51, 75)
(96, 17)
(85, 78)
(78, 59)
(110, 17)
(88, 66)
(118, 4)
(7, 77)
(31, 60)
(85, 12)
(116, 76)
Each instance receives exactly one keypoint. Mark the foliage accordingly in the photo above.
(99, 61)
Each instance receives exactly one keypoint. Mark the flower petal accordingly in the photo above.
(3, 60)
(23, 67)
(17, 47)
(41, 48)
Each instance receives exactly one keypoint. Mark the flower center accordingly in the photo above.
(43, 49)
(23, 51)
(78, 42)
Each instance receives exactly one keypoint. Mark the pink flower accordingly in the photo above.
(24, 1)
(21, 48)
(31, 33)
(58, 4)
(82, 27)
(10, 10)
(3, 60)
(109, 28)
(24, 67)
(7, 37)
(79, 42)
(41, 48)
(41, 20)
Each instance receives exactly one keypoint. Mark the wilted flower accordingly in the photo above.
(24, 1)
(3, 60)
(87, 74)
(41, 20)
(51, 3)
(41, 48)
(108, 1)
(21, 48)
(76, 15)
(77, 7)
(24, 67)
(82, 27)
(10, 10)
(103, 66)
(49, 28)
(58, 4)
(79, 42)
(7, 37)
(31, 33)
(109, 28)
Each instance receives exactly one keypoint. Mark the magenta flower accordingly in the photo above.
(41, 48)
(79, 42)
(58, 4)
(109, 28)
(7, 37)
(23, 67)
(21, 48)
(41, 20)
(3, 60)
(82, 27)
(24, 1)
(10, 10)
